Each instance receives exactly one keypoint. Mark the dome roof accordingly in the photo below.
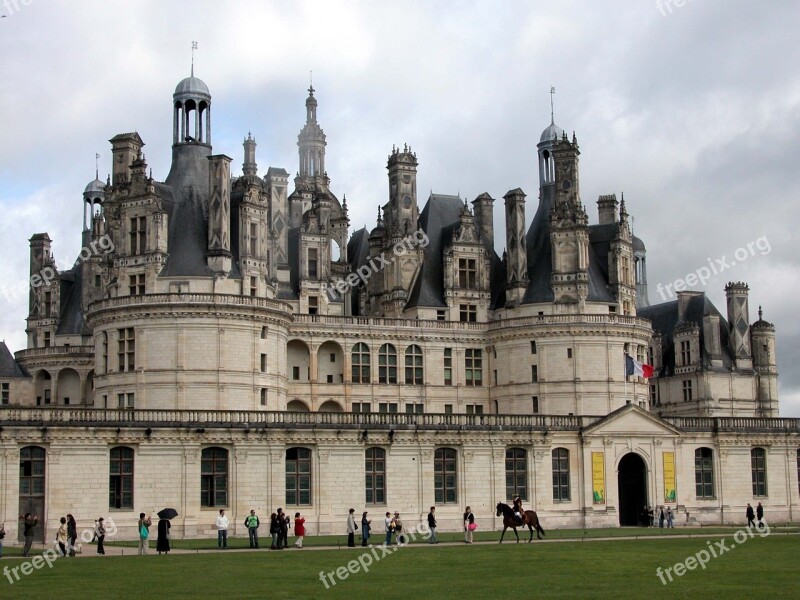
(95, 187)
(192, 86)
(638, 245)
(552, 131)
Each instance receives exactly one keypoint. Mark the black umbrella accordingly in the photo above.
(167, 513)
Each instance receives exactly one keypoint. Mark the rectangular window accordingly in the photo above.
(494, 377)
(46, 339)
(263, 363)
(313, 305)
(97, 281)
(138, 235)
(704, 473)
(561, 474)
(687, 390)
(253, 286)
(47, 396)
(686, 353)
(214, 477)
(533, 347)
(264, 331)
(263, 396)
(48, 304)
(474, 409)
(448, 409)
(298, 476)
(375, 472)
(448, 366)
(5, 393)
(569, 352)
(253, 239)
(126, 349)
(333, 357)
(66, 400)
(516, 473)
(120, 480)
(387, 407)
(312, 263)
(535, 404)
(295, 373)
(362, 407)
(653, 394)
(444, 476)
(534, 373)
(467, 273)
(758, 464)
(136, 285)
(440, 315)
(126, 400)
(473, 366)
(468, 313)
(412, 409)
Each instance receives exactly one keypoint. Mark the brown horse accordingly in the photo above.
(529, 518)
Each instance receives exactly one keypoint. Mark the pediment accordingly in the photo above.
(628, 421)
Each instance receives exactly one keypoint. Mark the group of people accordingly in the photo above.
(393, 527)
(664, 515)
(279, 525)
(759, 514)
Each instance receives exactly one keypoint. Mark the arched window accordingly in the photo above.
(387, 364)
(414, 365)
(375, 469)
(444, 476)
(704, 472)
(214, 477)
(516, 473)
(298, 476)
(758, 467)
(360, 356)
(561, 474)
(120, 478)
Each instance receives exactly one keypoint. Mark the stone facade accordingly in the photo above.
(216, 324)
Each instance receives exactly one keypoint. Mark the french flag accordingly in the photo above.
(634, 367)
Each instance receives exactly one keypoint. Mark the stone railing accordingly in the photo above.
(82, 417)
(741, 424)
(340, 321)
(190, 298)
(53, 351)
(609, 319)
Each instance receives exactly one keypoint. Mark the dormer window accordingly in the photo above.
(467, 273)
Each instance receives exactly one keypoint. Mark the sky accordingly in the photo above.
(691, 108)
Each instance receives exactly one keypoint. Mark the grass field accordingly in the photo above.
(759, 568)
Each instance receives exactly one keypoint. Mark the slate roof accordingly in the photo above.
(71, 318)
(665, 319)
(9, 366)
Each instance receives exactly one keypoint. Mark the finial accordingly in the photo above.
(760, 312)
(552, 111)
(108, 179)
(96, 166)
(194, 47)
(151, 173)
(310, 84)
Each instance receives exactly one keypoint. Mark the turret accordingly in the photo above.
(739, 324)
(516, 252)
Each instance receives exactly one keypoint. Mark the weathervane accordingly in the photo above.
(552, 113)
(194, 47)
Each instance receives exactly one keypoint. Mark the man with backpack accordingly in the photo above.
(252, 523)
(144, 533)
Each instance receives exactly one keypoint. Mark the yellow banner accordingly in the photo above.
(598, 478)
(669, 477)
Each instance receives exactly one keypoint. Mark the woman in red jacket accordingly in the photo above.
(299, 530)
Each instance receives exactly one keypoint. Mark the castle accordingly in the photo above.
(222, 342)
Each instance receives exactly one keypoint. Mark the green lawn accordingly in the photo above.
(759, 568)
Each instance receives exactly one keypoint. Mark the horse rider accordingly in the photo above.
(518, 510)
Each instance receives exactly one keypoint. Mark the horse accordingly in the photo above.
(529, 518)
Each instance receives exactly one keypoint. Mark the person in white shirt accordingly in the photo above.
(222, 530)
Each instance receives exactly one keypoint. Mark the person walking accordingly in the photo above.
(432, 526)
(162, 542)
(2, 535)
(299, 530)
(72, 534)
(222, 530)
(389, 529)
(274, 530)
(144, 533)
(398, 528)
(365, 527)
(469, 525)
(62, 537)
(283, 529)
(670, 518)
(252, 523)
(351, 528)
(750, 515)
(760, 515)
(28, 528)
(661, 517)
(100, 534)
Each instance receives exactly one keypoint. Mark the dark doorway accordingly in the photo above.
(632, 480)
(32, 487)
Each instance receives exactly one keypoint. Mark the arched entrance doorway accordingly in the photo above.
(632, 489)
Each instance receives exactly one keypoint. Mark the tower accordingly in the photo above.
(402, 213)
(762, 337)
(311, 148)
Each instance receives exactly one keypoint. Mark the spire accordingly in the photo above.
(552, 110)
(96, 166)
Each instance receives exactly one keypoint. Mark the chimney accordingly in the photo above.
(711, 339)
(739, 323)
(607, 209)
(482, 208)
